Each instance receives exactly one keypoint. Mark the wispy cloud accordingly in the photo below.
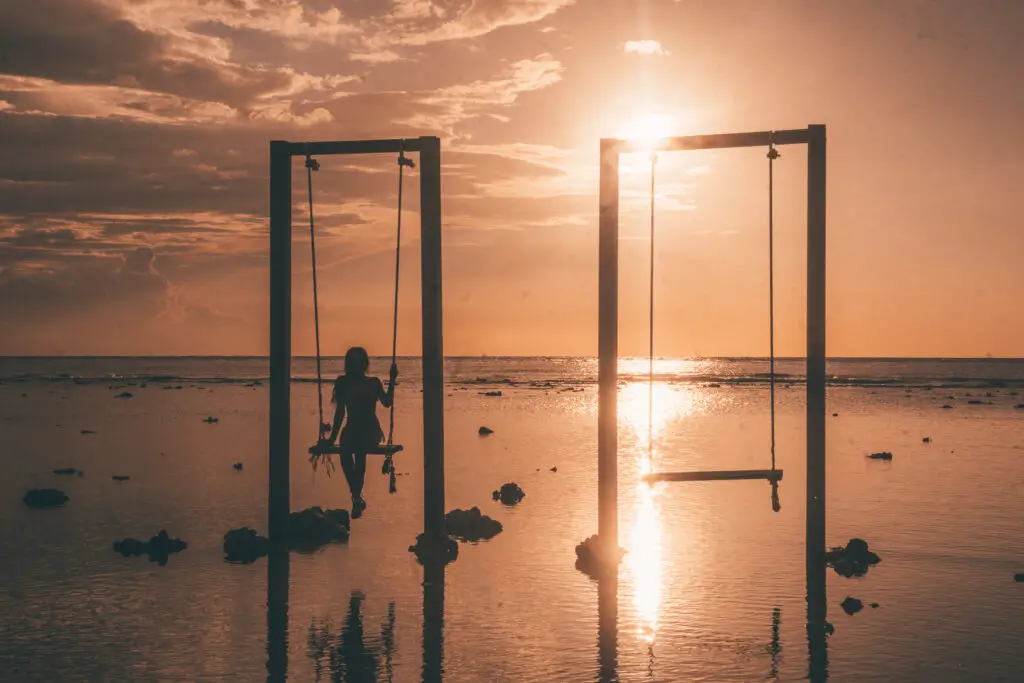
(645, 47)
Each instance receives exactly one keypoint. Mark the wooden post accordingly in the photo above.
(815, 541)
(280, 336)
(608, 349)
(433, 352)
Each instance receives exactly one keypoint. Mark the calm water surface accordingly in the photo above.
(712, 588)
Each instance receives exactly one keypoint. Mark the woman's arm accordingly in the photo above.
(339, 411)
(387, 398)
(339, 415)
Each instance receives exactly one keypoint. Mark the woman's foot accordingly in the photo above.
(358, 505)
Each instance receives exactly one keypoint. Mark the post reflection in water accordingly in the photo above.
(278, 569)
(608, 629)
(818, 627)
(433, 623)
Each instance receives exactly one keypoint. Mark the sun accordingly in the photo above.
(647, 130)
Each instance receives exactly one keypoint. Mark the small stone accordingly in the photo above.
(211, 420)
(926, 439)
(120, 477)
(1019, 578)
(45, 498)
(554, 469)
(244, 546)
(158, 548)
(1019, 406)
(595, 560)
(432, 550)
(851, 605)
(492, 393)
(509, 494)
(884, 455)
(947, 407)
(471, 525)
(874, 605)
(314, 527)
(852, 561)
(88, 431)
(238, 466)
(484, 431)
(69, 470)
(835, 414)
(124, 394)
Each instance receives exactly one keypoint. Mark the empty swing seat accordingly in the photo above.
(718, 475)
(334, 449)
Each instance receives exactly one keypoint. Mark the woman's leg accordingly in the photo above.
(359, 473)
(348, 467)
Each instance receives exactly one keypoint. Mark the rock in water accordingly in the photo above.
(158, 548)
(435, 550)
(1019, 578)
(45, 498)
(471, 525)
(851, 605)
(492, 393)
(594, 560)
(926, 439)
(947, 407)
(314, 527)
(884, 455)
(120, 477)
(238, 466)
(484, 431)
(245, 546)
(874, 605)
(211, 420)
(555, 468)
(69, 470)
(124, 394)
(509, 494)
(853, 560)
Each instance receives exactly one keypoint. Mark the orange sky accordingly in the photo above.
(133, 187)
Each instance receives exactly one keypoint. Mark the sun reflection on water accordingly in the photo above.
(644, 561)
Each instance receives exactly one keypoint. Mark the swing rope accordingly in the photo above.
(650, 354)
(389, 465)
(314, 165)
(773, 154)
(323, 428)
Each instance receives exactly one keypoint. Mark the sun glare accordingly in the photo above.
(648, 130)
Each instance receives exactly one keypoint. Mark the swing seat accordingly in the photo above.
(334, 449)
(773, 476)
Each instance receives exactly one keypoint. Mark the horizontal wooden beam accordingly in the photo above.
(356, 146)
(720, 475)
(719, 141)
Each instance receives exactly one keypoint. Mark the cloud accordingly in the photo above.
(645, 47)
(460, 102)
(473, 18)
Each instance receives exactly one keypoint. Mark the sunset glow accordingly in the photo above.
(647, 130)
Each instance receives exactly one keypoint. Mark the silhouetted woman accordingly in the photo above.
(357, 393)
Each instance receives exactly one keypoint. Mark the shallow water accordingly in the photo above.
(712, 589)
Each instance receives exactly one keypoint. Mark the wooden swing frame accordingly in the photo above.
(608, 326)
(281, 154)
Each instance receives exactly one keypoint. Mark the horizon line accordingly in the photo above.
(497, 357)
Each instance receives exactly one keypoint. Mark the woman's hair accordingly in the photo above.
(357, 362)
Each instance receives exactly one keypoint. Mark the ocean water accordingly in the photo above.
(712, 587)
